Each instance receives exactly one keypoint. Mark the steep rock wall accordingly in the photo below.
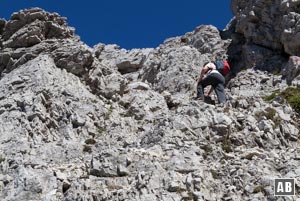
(105, 123)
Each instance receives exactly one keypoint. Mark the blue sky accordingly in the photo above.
(130, 23)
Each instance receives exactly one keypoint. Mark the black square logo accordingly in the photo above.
(284, 187)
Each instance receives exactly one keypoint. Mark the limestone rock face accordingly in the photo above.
(270, 25)
(106, 123)
(43, 103)
(292, 70)
(29, 27)
(174, 69)
(34, 31)
(207, 39)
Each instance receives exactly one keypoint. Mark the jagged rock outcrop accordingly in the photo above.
(32, 32)
(269, 31)
(272, 24)
(105, 123)
(291, 71)
(207, 39)
(30, 27)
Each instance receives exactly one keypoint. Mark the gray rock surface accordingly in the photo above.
(29, 27)
(269, 29)
(292, 70)
(105, 123)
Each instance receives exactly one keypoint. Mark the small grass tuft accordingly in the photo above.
(272, 96)
(101, 130)
(290, 94)
(190, 197)
(294, 102)
(270, 113)
(90, 141)
(214, 174)
(87, 148)
(94, 101)
(226, 147)
(259, 189)
(2, 159)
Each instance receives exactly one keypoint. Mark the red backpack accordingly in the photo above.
(222, 66)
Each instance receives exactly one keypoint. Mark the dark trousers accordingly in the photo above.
(217, 81)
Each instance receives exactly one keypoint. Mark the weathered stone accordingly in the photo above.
(76, 58)
(132, 61)
(43, 25)
(207, 39)
(105, 123)
(175, 70)
(122, 171)
(292, 69)
(265, 125)
(138, 85)
(222, 119)
(290, 131)
(2, 25)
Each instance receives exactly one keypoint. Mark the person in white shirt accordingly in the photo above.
(210, 76)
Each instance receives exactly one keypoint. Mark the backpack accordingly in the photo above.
(222, 66)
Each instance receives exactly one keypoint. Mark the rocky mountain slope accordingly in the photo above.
(105, 123)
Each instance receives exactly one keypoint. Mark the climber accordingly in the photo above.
(210, 76)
